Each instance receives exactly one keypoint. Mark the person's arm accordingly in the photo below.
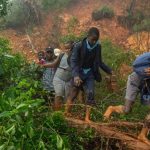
(54, 64)
(102, 65)
(74, 60)
(74, 63)
(128, 106)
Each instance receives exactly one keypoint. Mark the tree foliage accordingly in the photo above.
(3, 7)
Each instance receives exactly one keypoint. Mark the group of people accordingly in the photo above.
(75, 71)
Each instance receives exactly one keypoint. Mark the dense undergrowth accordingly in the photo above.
(28, 122)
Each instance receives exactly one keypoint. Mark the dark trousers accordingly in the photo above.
(88, 86)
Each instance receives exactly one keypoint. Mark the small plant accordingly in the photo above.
(72, 23)
(143, 26)
(104, 12)
(134, 22)
(72, 37)
(49, 5)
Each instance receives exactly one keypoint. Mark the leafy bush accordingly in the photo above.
(104, 12)
(143, 26)
(22, 14)
(114, 56)
(3, 7)
(73, 22)
(54, 4)
(26, 123)
(136, 21)
(72, 37)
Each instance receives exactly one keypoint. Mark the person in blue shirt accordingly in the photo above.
(85, 62)
(140, 75)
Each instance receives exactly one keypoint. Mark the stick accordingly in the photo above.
(32, 46)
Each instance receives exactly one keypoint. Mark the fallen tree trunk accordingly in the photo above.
(123, 124)
(130, 141)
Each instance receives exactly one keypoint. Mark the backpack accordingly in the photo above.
(141, 63)
(145, 91)
(69, 57)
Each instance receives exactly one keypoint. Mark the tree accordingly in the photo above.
(3, 7)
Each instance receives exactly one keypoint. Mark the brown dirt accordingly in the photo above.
(42, 37)
(109, 28)
(125, 70)
(139, 42)
(39, 39)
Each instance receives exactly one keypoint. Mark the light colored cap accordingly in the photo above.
(57, 52)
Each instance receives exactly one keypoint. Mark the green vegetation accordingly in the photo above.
(73, 22)
(143, 26)
(3, 7)
(137, 16)
(26, 121)
(104, 12)
(72, 37)
(22, 14)
(55, 4)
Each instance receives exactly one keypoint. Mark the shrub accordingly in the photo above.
(72, 23)
(143, 26)
(55, 4)
(104, 12)
(22, 14)
(72, 37)
(131, 20)
(3, 7)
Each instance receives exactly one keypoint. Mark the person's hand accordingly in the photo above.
(147, 71)
(112, 73)
(77, 81)
(41, 65)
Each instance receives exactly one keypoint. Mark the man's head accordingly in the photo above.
(41, 55)
(93, 35)
(68, 46)
(49, 53)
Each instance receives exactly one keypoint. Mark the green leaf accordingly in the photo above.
(2, 147)
(5, 114)
(59, 142)
(30, 132)
(22, 106)
(11, 129)
(41, 145)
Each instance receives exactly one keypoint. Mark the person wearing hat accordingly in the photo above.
(138, 83)
(62, 77)
(48, 74)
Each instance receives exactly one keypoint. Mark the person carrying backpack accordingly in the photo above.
(85, 62)
(138, 82)
(62, 77)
